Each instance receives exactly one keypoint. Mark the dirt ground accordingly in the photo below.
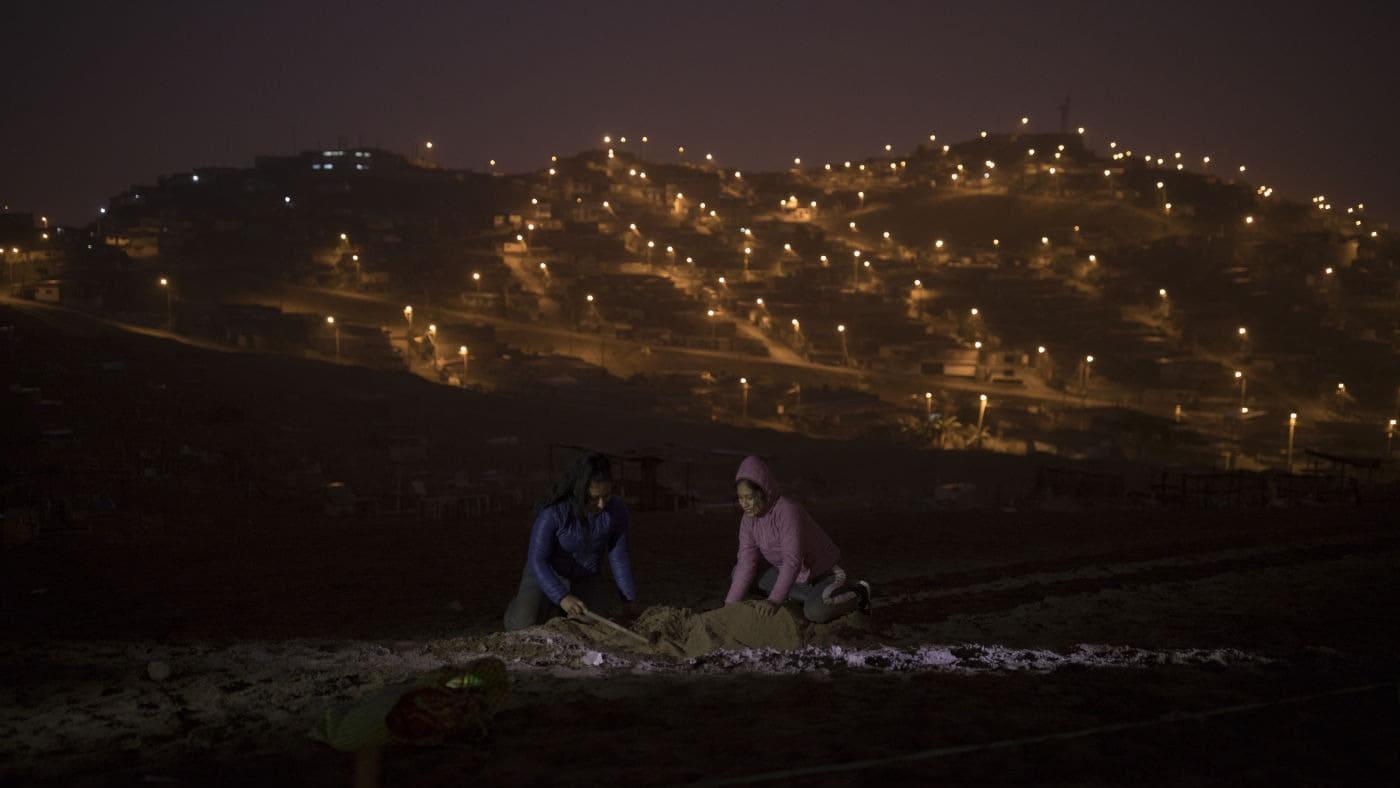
(1100, 647)
(988, 629)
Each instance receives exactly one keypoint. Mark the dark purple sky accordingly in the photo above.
(102, 95)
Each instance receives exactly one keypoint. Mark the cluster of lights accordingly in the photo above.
(792, 202)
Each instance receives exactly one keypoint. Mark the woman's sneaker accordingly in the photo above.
(863, 592)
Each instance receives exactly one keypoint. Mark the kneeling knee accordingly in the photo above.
(817, 612)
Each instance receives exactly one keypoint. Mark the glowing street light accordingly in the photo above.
(466, 359)
(330, 320)
(408, 316)
(928, 404)
(744, 384)
(1292, 425)
(169, 316)
(476, 280)
(1244, 385)
(845, 351)
(981, 415)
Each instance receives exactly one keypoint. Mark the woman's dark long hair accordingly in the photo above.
(573, 486)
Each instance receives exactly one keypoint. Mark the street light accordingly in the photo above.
(744, 384)
(476, 280)
(432, 333)
(408, 316)
(928, 405)
(330, 320)
(1292, 424)
(1244, 385)
(169, 319)
(845, 351)
(981, 414)
(466, 359)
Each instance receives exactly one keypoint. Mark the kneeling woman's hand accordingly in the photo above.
(766, 607)
(573, 606)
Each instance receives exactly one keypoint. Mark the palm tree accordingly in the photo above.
(942, 428)
(973, 436)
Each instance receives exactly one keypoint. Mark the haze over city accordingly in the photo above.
(107, 95)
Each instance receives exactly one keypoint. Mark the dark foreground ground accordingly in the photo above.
(266, 629)
(1253, 647)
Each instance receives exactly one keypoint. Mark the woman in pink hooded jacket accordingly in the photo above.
(801, 558)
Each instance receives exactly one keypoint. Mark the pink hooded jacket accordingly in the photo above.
(785, 536)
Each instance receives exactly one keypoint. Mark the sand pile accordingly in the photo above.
(737, 627)
(673, 632)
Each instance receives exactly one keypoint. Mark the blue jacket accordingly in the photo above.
(558, 554)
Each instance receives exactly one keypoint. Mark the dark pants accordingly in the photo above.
(814, 608)
(530, 606)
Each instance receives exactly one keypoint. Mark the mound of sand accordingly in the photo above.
(741, 626)
(673, 632)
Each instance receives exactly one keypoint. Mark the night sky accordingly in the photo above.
(99, 96)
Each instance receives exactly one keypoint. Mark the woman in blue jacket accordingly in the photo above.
(579, 523)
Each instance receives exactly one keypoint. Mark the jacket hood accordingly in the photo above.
(756, 470)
